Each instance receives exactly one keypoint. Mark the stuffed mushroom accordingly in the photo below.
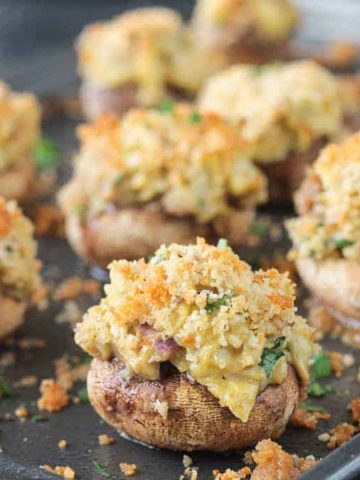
(158, 176)
(139, 58)
(22, 176)
(192, 350)
(326, 234)
(20, 283)
(247, 31)
(287, 113)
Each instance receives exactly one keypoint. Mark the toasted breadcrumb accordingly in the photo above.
(273, 463)
(337, 363)
(340, 55)
(27, 381)
(71, 313)
(7, 359)
(62, 444)
(324, 437)
(49, 220)
(105, 439)
(54, 398)
(22, 412)
(340, 435)
(189, 474)
(231, 474)
(74, 286)
(304, 419)
(355, 409)
(65, 472)
(128, 469)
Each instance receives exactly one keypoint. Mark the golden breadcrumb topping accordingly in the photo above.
(192, 164)
(148, 47)
(329, 226)
(53, 396)
(19, 268)
(279, 107)
(271, 21)
(203, 309)
(19, 125)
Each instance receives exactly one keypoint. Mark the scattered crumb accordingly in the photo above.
(309, 420)
(105, 439)
(30, 342)
(128, 469)
(71, 313)
(67, 376)
(190, 473)
(340, 55)
(27, 381)
(340, 435)
(231, 474)
(340, 362)
(62, 444)
(22, 412)
(48, 220)
(324, 437)
(162, 408)
(7, 359)
(65, 472)
(187, 461)
(348, 360)
(355, 409)
(72, 287)
(54, 398)
(271, 459)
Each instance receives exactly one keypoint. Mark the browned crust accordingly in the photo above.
(23, 183)
(12, 315)
(137, 232)
(286, 176)
(334, 281)
(195, 420)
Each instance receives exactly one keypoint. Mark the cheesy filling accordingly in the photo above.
(271, 20)
(19, 126)
(278, 108)
(19, 268)
(236, 330)
(148, 47)
(331, 226)
(192, 164)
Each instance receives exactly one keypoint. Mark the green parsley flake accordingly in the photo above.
(343, 243)
(308, 407)
(212, 305)
(321, 366)
(83, 395)
(271, 355)
(166, 106)
(222, 243)
(260, 228)
(101, 469)
(5, 390)
(195, 117)
(46, 155)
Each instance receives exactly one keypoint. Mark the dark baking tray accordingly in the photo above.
(35, 54)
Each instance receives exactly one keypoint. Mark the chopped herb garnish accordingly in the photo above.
(159, 258)
(5, 390)
(307, 407)
(39, 418)
(222, 243)
(101, 469)
(260, 228)
(343, 243)
(119, 178)
(83, 395)
(271, 355)
(212, 305)
(321, 366)
(195, 117)
(317, 390)
(46, 154)
(166, 106)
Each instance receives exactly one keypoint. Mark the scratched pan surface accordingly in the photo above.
(35, 54)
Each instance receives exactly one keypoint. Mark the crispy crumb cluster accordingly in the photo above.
(148, 47)
(191, 164)
(19, 126)
(204, 310)
(329, 221)
(270, 21)
(19, 268)
(279, 108)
